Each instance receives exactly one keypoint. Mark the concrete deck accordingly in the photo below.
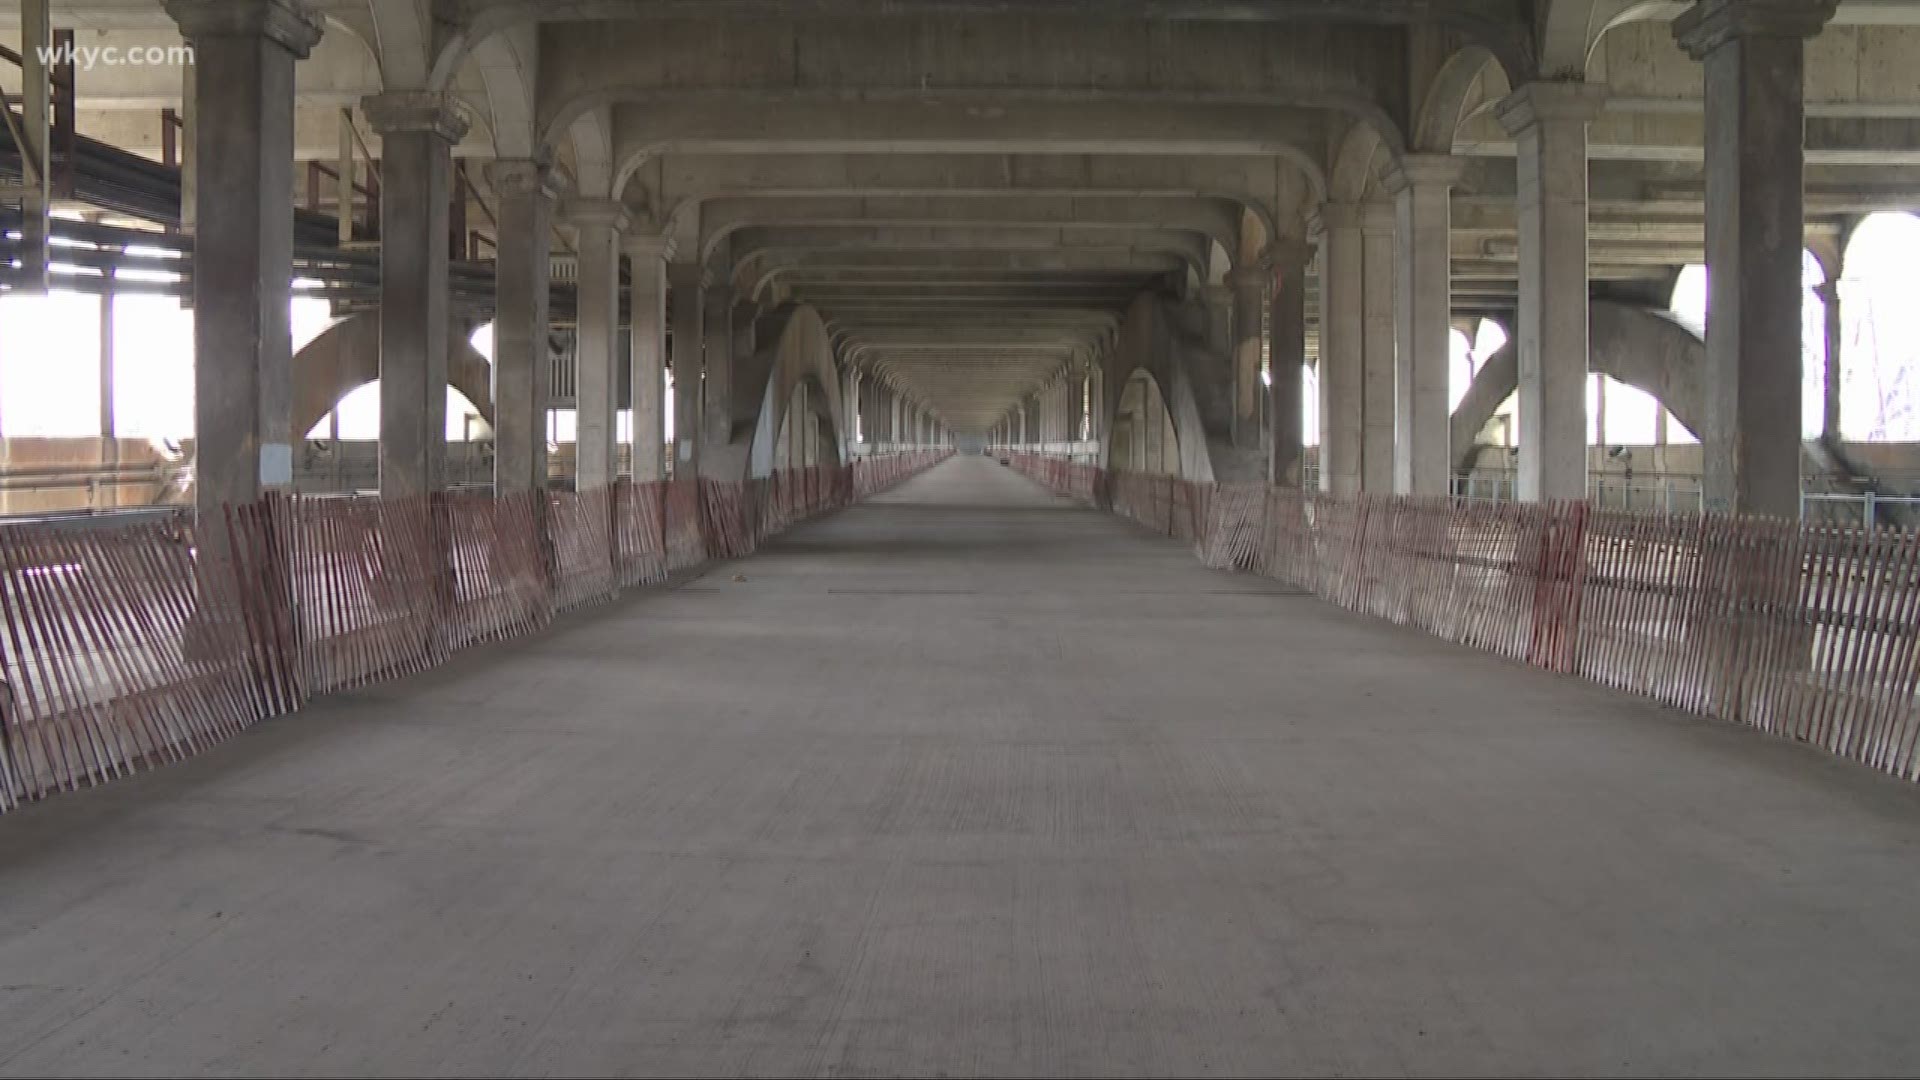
(968, 780)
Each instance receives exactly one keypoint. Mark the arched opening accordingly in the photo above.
(97, 396)
(806, 437)
(1880, 332)
(1144, 439)
(1689, 304)
(358, 417)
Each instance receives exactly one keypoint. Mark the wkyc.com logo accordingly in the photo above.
(88, 57)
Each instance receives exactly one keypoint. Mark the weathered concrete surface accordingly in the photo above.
(967, 781)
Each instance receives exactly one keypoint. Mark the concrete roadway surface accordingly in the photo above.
(968, 780)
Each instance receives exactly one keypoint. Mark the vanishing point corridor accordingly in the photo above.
(969, 778)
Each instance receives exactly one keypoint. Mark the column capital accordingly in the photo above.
(1377, 217)
(1709, 24)
(525, 176)
(398, 112)
(1425, 170)
(1282, 253)
(288, 23)
(692, 272)
(1542, 102)
(604, 212)
(1257, 275)
(648, 246)
(1336, 214)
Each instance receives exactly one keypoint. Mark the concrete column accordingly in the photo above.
(1548, 121)
(599, 223)
(1343, 283)
(647, 346)
(36, 114)
(522, 381)
(1249, 287)
(1423, 306)
(1829, 291)
(1377, 220)
(685, 314)
(1288, 354)
(1755, 56)
(418, 130)
(344, 175)
(849, 412)
(242, 283)
(717, 348)
(189, 170)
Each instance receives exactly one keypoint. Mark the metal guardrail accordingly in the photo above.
(1864, 510)
(1683, 494)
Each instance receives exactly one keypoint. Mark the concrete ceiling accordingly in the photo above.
(970, 191)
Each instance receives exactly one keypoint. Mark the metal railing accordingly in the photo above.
(1865, 510)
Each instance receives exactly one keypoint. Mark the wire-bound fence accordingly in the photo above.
(1809, 632)
(128, 645)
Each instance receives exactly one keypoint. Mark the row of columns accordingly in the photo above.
(1066, 410)
(1385, 395)
(242, 81)
(890, 418)
(1753, 51)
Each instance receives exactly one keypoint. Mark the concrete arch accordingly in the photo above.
(592, 138)
(779, 452)
(508, 63)
(792, 347)
(1447, 98)
(1193, 384)
(346, 356)
(1132, 447)
(402, 40)
(1640, 346)
(1356, 164)
(1256, 242)
(356, 27)
(1566, 32)
(1613, 14)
